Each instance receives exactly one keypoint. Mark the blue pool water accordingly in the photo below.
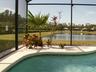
(56, 63)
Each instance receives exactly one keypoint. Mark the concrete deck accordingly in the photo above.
(11, 58)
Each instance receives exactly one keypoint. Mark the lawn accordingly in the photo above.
(6, 44)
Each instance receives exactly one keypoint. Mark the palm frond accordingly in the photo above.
(38, 19)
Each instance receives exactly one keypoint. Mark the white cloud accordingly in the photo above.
(3, 9)
(90, 12)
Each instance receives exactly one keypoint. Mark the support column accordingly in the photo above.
(16, 24)
(26, 17)
(71, 23)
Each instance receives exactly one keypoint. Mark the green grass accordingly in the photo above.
(66, 42)
(6, 44)
(7, 41)
(7, 37)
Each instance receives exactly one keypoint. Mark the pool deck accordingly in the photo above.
(11, 58)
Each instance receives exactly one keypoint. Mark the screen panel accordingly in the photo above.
(58, 30)
(50, 1)
(84, 25)
(21, 20)
(7, 24)
(85, 1)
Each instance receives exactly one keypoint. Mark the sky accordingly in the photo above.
(81, 14)
(10, 5)
(7, 4)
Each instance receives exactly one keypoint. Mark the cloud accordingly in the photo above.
(3, 9)
(90, 12)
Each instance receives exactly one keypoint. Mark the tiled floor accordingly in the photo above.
(11, 58)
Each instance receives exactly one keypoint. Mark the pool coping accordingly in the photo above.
(44, 52)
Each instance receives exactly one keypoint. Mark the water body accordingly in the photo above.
(77, 37)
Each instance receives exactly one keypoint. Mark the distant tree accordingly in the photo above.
(8, 18)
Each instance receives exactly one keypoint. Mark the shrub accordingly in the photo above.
(62, 46)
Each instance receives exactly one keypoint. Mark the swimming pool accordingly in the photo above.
(56, 63)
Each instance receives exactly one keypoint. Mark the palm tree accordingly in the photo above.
(38, 20)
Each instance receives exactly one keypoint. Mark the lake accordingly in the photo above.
(66, 36)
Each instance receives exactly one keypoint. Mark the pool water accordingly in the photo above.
(56, 63)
